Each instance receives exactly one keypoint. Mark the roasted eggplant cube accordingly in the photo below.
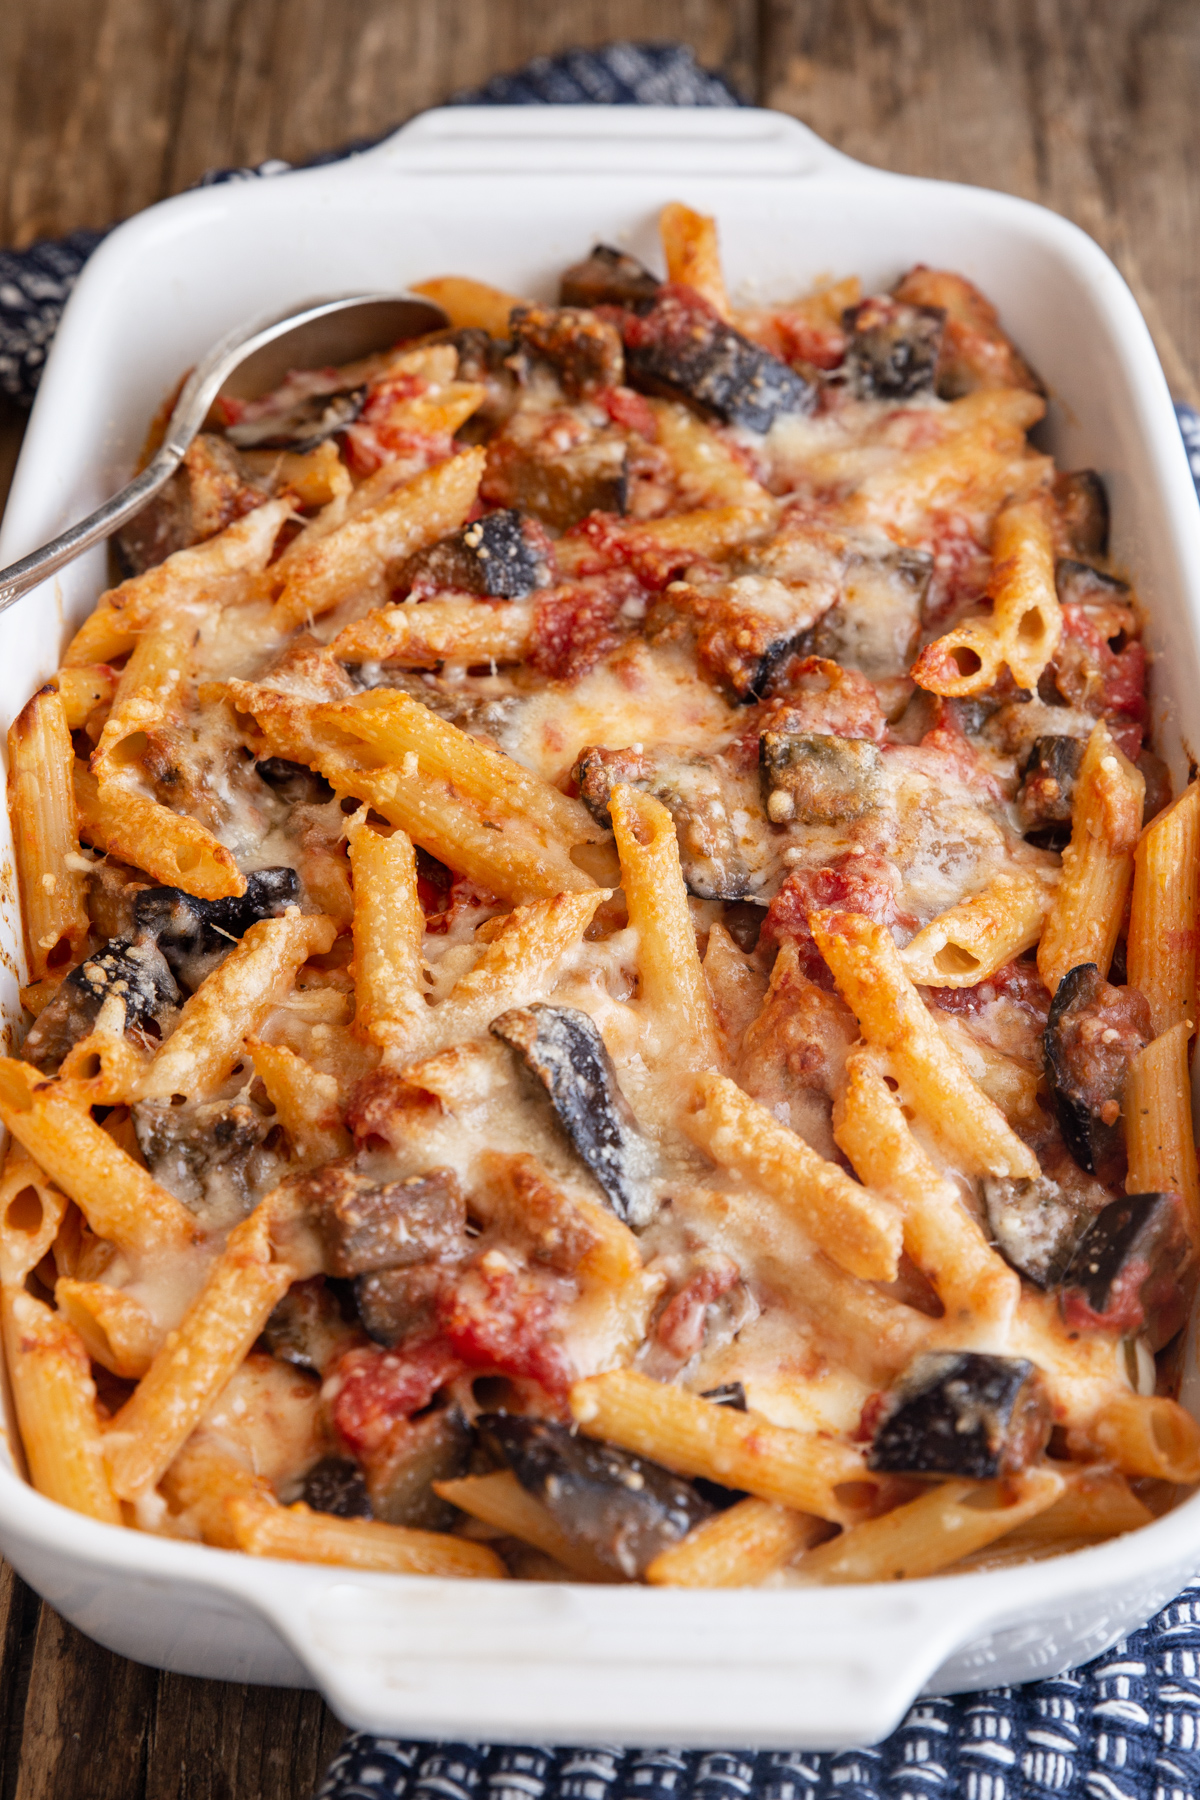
(813, 779)
(394, 1304)
(364, 1226)
(400, 1483)
(1035, 1224)
(959, 1412)
(134, 971)
(564, 1052)
(893, 349)
(492, 556)
(1083, 502)
(337, 1485)
(1125, 1273)
(526, 470)
(608, 277)
(625, 1509)
(309, 1327)
(599, 770)
(584, 351)
(303, 426)
(876, 625)
(683, 348)
(194, 935)
(1048, 784)
(1093, 1031)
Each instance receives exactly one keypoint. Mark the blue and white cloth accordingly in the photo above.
(1125, 1727)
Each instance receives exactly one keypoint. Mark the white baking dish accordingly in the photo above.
(512, 196)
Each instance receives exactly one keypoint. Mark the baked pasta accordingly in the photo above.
(611, 974)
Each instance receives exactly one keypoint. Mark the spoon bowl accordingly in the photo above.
(248, 361)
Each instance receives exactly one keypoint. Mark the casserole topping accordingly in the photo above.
(611, 971)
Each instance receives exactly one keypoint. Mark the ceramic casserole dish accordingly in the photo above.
(511, 196)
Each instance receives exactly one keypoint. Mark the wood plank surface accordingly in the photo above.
(108, 105)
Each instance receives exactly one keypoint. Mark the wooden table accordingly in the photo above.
(107, 105)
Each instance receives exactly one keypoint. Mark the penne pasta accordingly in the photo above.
(1158, 1123)
(31, 1212)
(395, 727)
(437, 631)
(1149, 1435)
(115, 1329)
(1089, 906)
(932, 1078)
(56, 1406)
(806, 1471)
(932, 1533)
(471, 303)
(511, 969)
(1026, 622)
(852, 1225)
(306, 1101)
(353, 560)
(245, 1284)
(174, 849)
(41, 808)
(220, 569)
(673, 987)
(1160, 952)
(232, 1003)
(737, 1548)
(84, 692)
(118, 1199)
(974, 939)
(149, 691)
(506, 853)
(264, 1528)
(689, 241)
(389, 928)
(978, 1290)
(500, 1501)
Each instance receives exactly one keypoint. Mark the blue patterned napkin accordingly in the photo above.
(1125, 1727)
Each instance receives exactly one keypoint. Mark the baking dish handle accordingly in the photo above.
(605, 140)
(530, 1661)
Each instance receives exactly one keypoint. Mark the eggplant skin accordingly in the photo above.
(1124, 1275)
(608, 277)
(336, 1485)
(1083, 502)
(1047, 785)
(894, 348)
(194, 935)
(683, 348)
(731, 1394)
(303, 426)
(491, 556)
(1077, 582)
(563, 1050)
(1035, 1224)
(960, 1412)
(133, 968)
(625, 1509)
(1092, 1032)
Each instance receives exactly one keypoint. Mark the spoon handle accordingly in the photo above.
(20, 576)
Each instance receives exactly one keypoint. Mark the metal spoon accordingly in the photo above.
(259, 355)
